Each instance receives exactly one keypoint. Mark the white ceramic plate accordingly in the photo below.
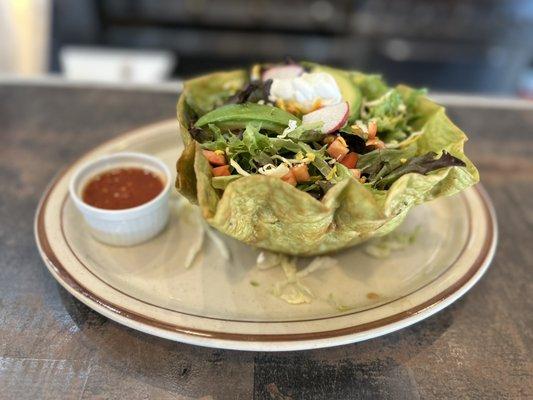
(214, 303)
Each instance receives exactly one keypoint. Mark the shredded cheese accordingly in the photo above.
(293, 124)
(291, 161)
(238, 168)
(362, 126)
(332, 173)
(271, 170)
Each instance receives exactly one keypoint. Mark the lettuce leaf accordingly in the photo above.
(420, 165)
(205, 93)
(252, 93)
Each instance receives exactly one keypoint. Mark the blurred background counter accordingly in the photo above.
(476, 46)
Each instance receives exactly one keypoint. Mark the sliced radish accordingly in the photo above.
(333, 117)
(283, 72)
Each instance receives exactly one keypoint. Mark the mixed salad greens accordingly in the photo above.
(254, 132)
(359, 154)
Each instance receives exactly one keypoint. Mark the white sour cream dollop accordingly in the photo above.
(306, 90)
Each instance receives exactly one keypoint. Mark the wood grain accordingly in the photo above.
(52, 346)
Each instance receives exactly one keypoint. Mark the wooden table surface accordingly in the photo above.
(52, 346)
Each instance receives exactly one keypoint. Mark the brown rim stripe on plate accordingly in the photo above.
(77, 257)
(68, 279)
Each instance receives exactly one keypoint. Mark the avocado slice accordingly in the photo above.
(237, 116)
(349, 91)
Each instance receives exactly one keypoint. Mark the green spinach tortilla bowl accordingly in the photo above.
(422, 158)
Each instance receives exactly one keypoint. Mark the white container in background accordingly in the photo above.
(128, 226)
(116, 65)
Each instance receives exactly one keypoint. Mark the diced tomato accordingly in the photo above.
(221, 171)
(372, 129)
(337, 149)
(356, 173)
(350, 160)
(289, 178)
(301, 173)
(214, 158)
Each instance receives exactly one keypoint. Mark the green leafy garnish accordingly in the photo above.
(420, 165)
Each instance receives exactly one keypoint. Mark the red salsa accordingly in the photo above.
(122, 188)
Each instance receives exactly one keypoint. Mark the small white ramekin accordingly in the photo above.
(132, 225)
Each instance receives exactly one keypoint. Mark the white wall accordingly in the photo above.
(24, 36)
